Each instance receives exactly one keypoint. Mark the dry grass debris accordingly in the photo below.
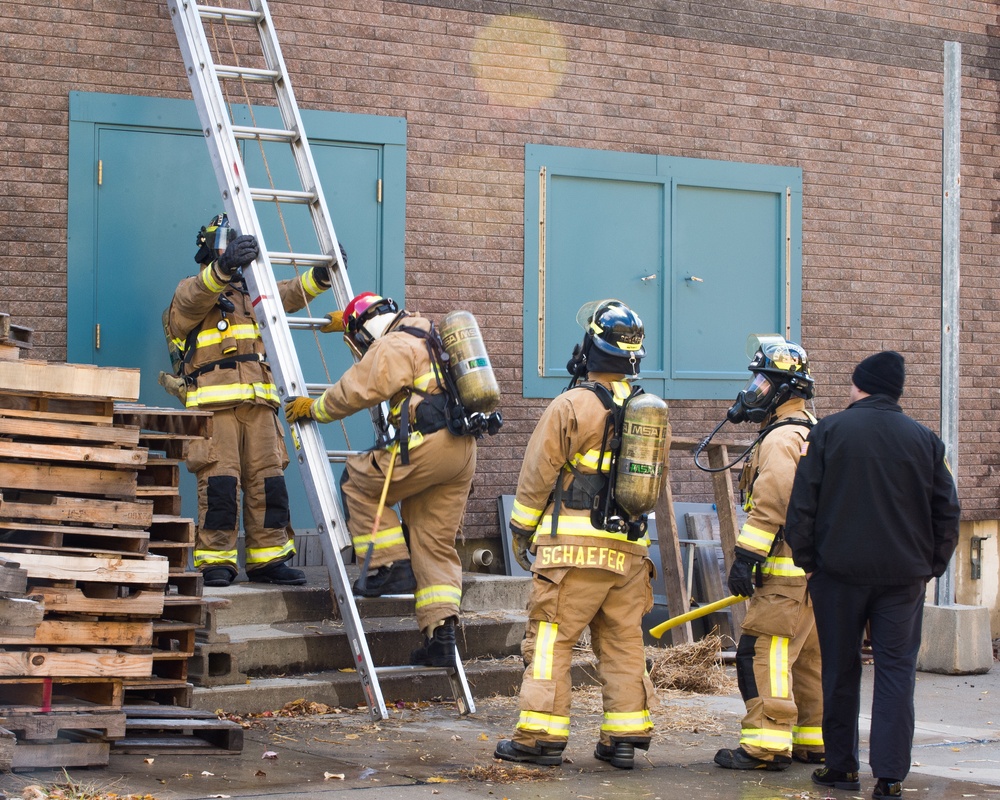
(695, 667)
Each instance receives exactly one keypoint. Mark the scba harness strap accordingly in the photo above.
(596, 491)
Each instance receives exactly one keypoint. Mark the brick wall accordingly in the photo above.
(853, 97)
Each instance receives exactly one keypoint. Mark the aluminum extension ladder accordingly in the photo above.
(222, 137)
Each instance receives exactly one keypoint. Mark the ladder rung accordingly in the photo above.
(403, 668)
(249, 74)
(302, 259)
(217, 12)
(264, 134)
(306, 324)
(283, 195)
(340, 456)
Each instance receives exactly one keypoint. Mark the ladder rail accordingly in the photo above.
(223, 137)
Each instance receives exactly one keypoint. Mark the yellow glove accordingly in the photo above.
(336, 323)
(297, 408)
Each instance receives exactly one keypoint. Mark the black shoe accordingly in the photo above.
(396, 578)
(619, 754)
(218, 576)
(545, 755)
(440, 650)
(887, 787)
(277, 573)
(809, 757)
(836, 779)
(741, 759)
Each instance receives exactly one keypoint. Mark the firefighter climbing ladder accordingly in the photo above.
(223, 139)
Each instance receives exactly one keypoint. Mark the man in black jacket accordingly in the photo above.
(873, 515)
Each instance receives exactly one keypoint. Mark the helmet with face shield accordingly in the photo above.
(780, 371)
(366, 318)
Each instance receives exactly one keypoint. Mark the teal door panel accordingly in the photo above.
(726, 263)
(605, 238)
(142, 184)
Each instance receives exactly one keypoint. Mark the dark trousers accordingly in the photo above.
(895, 614)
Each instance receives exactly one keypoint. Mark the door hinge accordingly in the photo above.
(100, 171)
(378, 191)
(97, 336)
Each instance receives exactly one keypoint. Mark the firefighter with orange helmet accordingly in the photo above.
(589, 569)
(777, 657)
(224, 369)
(423, 465)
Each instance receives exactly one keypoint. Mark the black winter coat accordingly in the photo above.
(873, 501)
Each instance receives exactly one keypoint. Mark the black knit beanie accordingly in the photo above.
(882, 373)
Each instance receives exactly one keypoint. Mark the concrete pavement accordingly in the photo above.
(428, 752)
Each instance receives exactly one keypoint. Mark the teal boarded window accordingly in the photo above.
(706, 252)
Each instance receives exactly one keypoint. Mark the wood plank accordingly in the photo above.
(69, 380)
(60, 754)
(20, 536)
(9, 352)
(80, 480)
(134, 458)
(106, 633)
(39, 663)
(674, 585)
(60, 693)
(50, 725)
(151, 570)
(7, 744)
(70, 431)
(178, 422)
(72, 600)
(13, 579)
(20, 612)
(725, 506)
(49, 507)
(40, 408)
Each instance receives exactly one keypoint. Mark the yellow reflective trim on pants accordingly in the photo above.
(765, 739)
(782, 567)
(524, 517)
(203, 557)
(232, 392)
(627, 722)
(389, 537)
(536, 722)
(261, 555)
(545, 645)
(812, 737)
(779, 667)
(442, 593)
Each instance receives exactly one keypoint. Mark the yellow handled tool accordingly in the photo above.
(378, 518)
(673, 622)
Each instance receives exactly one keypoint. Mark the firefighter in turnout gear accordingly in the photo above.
(424, 467)
(777, 657)
(584, 573)
(221, 367)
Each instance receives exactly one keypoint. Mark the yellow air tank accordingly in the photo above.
(469, 363)
(642, 458)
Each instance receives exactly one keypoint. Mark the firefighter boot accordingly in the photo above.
(219, 575)
(741, 759)
(394, 578)
(620, 754)
(545, 754)
(439, 648)
(835, 779)
(277, 573)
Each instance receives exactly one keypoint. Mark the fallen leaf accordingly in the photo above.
(351, 736)
(456, 738)
(483, 737)
(270, 754)
(260, 774)
(148, 760)
(330, 776)
(435, 779)
(207, 774)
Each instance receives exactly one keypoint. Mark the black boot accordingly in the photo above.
(218, 576)
(440, 649)
(277, 573)
(394, 578)
(836, 779)
(741, 759)
(545, 754)
(619, 754)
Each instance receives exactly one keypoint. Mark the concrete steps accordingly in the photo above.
(264, 646)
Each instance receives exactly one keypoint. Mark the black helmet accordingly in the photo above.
(780, 370)
(213, 237)
(613, 328)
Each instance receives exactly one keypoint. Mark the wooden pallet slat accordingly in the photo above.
(113, 601)
(38, 663)
(69, 380)
(58, 508)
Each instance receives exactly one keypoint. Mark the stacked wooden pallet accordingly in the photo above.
(71, 517)
(13, 339)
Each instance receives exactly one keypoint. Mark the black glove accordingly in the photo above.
(740, 581)
(241, 251)
(520, 542)
(322, 274)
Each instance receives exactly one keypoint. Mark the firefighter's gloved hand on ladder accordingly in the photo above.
(335, 324)
(297, 408)
(322, 273)
(520, 542)
(241, 252)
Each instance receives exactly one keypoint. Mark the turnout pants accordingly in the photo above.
(563, 603)
(895, 614)
(778, 669)
(245, 457)
(432, 491)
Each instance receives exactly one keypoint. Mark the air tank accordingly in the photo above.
(469, 363)
(642, 459)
